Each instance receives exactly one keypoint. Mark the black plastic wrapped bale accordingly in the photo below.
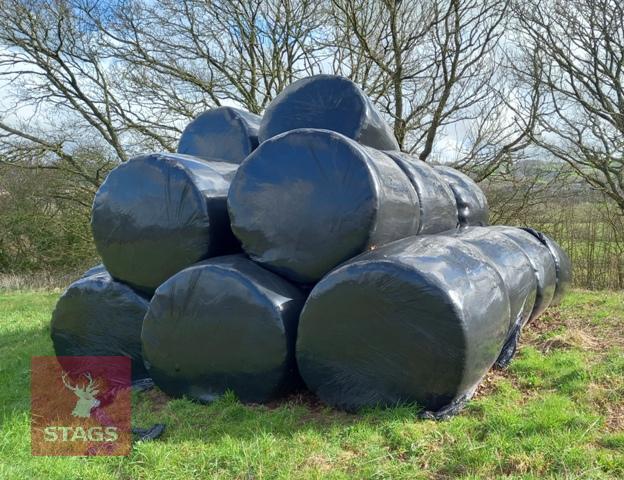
(157, 214)
(419, 320)
(225, 133)
(543, 266)
(99, 268)
(438, 208)
(563, 265)
(513, 265)
(98, 316)
(223, 324)
(309, 199)
(472, 205)
(516, 269)
(327, 102)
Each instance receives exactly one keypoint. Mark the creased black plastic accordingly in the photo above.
(327, 102)
(98, 316)
(143, 384)
(543, 266)
(450, 410)
(438, 208)
(563, 265)
(418, 320)
(307, 200)
(148, 434)
(472, 205)
(511, 261)
(157, 214)
(510, 348)
(516, 269)
(225, 133)
(99, 268)
(223, 324)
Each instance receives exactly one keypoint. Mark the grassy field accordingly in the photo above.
(557, 412)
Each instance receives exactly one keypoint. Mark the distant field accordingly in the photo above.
(557, 412)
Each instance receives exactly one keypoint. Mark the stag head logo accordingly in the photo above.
(86, 396)
(80, 405)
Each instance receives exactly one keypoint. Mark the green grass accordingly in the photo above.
(557, 412)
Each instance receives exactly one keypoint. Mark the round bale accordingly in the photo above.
(98, 316)
(472, 205)
(308, 199)
(223, 324)
(327, 102)
(419, 320)
(157, 214)
(225, 133)
(438, 208)
(563, 265)
(543, 266)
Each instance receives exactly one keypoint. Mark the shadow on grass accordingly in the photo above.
(227, 417)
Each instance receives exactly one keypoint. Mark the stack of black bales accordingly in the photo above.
(304, 245)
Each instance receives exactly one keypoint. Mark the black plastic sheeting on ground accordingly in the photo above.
(148, 434)
(438, 208)
(309, 199)
(223, 324)
(563, 265)
(225, 133)
(472, 205)
(157, 214)
(143, 384)
(98, 316)
(327, 102)
(516, 269)
(543, 266)
(418, 320)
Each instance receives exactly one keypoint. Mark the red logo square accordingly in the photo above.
(81, 405)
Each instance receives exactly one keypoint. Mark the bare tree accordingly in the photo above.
(52, 62)
(435, 66)
(59, 100)
(185, 56)
(578, 46)
(377, 44)
(130, 75)
(516, 189)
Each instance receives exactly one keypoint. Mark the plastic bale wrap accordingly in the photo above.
(157, 214)
(99, 268)
(225, 133)
(223, 324)
(438, 208)
(418, 320)
(98, 316)
(309, 199)
(472, 205)
(563, 265)
(542, 263)
(517, 273)
(327, 102)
